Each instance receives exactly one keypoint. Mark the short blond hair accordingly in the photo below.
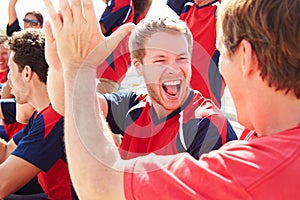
(147, 27)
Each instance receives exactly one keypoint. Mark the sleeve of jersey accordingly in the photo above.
(182, 177)
(10, 29)
(176, 5)
(208, 131)
(41, 143)
(115, 15)
(8, 107)
(118, 106)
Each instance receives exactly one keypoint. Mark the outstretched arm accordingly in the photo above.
(12, 14)
(81, 46)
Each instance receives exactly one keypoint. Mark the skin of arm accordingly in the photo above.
(15, 173)
(55, 81)
(73, 29)
(12, 14)
(23, 112)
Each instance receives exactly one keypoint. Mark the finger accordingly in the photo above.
(116, 37)
(76, 7)
(89, 12)
(48, 33)
(66, 12)
(53, 15)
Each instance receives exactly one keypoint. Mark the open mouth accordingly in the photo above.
(171, 87)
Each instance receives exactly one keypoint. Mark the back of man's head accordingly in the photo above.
(273, 29)
(29, 48)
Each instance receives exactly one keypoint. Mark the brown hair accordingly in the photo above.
(38, 15)
(273, 29)
(29, 48)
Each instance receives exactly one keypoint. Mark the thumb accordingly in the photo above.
(105, 48)
(116, 37)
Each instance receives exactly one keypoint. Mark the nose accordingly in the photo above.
(174, 67)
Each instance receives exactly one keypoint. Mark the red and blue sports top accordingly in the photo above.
(117, 13)
(11, 126)
(197, 127)
(263, 168)
(201, 20)
(41, 144)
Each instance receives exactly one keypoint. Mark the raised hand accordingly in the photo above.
(51, 54)
(78, 35)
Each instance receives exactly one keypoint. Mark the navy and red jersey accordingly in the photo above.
(201, 20)
(197, 127)
(138, 17)
(41, 144)
(117, 13)
(11, 126)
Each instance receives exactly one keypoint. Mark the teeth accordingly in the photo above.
(170, 83)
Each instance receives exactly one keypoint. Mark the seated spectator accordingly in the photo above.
(4, 54)
(38, 149)
(32, 19)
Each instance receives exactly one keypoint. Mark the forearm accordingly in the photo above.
(3, 146)
(55, 87)
(92, 155)
(12, 14)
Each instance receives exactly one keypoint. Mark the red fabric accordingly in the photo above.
(3, 77)
(264, 168)
(205, 75)
(53, 185)
(12, 129)
(248, 135)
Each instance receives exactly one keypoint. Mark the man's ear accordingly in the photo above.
(27, 73)
(249, 58)
(138, 66)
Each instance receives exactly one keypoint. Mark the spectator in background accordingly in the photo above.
(38, 149)
(4, 54)
(260, 63)
(33, 19)
(111, 72)
(200, 16)
(141, 8)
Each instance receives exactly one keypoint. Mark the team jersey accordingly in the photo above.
(15, 26)
(263, 168)
(197, 127)
(117, 13)
(41, 144)
(138, 17)
(11, 126)
(206, 77)
(3, 77)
